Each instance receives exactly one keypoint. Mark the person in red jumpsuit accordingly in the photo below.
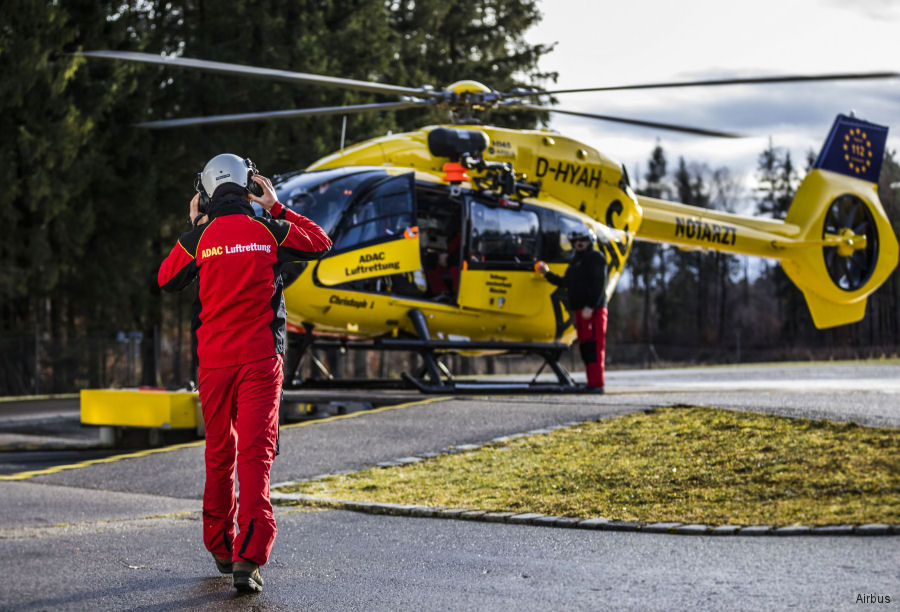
(239, 322)
(585, 284)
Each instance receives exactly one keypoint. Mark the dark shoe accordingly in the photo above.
(247, 578)
(223, 565)
(595, 390)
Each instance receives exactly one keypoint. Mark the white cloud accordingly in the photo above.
(650, 41)
(873, 9)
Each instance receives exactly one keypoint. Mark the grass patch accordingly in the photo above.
(690, 465)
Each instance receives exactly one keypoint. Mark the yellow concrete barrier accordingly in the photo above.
(140, 408)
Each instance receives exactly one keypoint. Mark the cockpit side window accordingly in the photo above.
(323, 196)
(383, 214)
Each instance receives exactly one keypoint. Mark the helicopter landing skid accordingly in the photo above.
(434, 376)
(474, 387)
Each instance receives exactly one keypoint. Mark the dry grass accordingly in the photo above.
(690, 465)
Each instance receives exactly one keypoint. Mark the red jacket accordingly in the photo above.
(239, 314)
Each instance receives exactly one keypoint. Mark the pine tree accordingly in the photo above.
(777, 184)
(53, 159)
(444, 41)
(93, 203)
(883, 309)
(643, 258)
(777, 180)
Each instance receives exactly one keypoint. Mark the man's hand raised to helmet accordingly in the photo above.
(194, 215)
(268, 199)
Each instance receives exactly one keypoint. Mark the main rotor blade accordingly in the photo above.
(797, 78)
(286, 114)
(651, 124)
(259, 73)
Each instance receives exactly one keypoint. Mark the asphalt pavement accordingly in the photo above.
(125, 534)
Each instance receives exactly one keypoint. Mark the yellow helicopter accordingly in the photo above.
(437, 232)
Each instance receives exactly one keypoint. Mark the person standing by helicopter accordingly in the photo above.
(585, 284)
(239, 323)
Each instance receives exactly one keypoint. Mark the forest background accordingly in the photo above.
(91, 204)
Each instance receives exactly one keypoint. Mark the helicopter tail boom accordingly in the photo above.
(836, 243)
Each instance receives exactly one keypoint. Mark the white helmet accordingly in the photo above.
(227, 168)
(582, 233)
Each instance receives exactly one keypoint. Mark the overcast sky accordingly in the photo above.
(643, 41)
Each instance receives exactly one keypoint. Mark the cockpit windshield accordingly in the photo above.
(322, 195)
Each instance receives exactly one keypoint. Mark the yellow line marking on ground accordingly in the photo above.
(27, 398)
(153, 451)
(74, 466)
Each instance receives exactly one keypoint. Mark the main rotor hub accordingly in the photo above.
(461, 88)
(462, 97)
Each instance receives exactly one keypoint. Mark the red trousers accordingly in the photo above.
(592, 342)
(240, 412)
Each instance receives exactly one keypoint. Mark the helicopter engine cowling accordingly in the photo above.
(454, 143)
